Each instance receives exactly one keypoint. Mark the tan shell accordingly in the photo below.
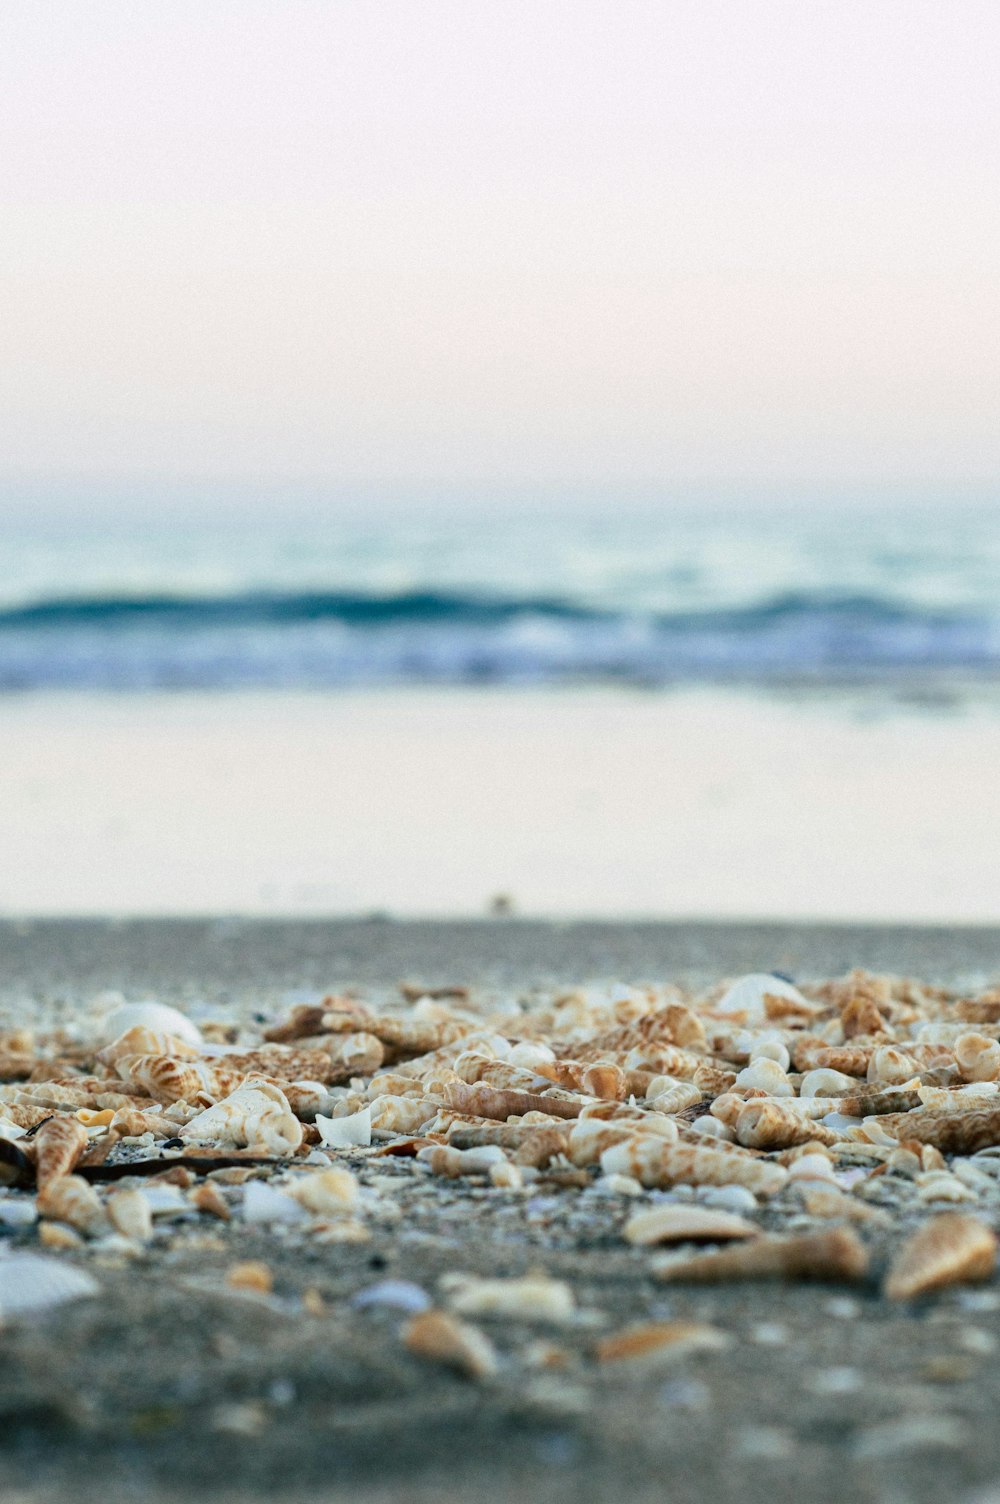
(600, 1079)
(977, 1057)
(488, 1102)
(835, 1255)
(443, 1338)
(128, 1122)
(770, 1124)
(140, 1040)
(535, 1297)
(672, 1096)
(402, 1114)
(660, 1342)
(812, 1054)
(686, 1224)
(654, 1162)
(131, 1214)
(328, 1193)
(209, 1199)
(949, 1249)
(70, 1199)
(59, 1146)
(169, 1080)
(950, 1130)
(257, 1115)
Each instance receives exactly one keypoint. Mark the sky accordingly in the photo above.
(416, 247)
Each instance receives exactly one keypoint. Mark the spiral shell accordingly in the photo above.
(140, 1040)
(977, 1057)
(770, 1124)
(257, 1115)
(59, 1146)
(653, 1162)
(402, 1114)
(169, 1080)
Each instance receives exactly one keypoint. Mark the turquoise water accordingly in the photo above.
(654, 599)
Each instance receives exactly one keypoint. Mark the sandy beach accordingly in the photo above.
(166, 1385)
(430, 803)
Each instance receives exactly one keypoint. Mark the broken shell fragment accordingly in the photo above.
(661, 1342)
(684, 1224)
(442, 1338)
(836, 1255)
(952, 1248)
(533, 1298)
(131, 1214)
(70, 1199)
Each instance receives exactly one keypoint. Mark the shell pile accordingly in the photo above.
(845, 1130)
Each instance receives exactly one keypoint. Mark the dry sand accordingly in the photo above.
(166, 1389)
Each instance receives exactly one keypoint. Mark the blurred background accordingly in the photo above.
(485, 458)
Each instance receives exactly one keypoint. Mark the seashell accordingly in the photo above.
(18, 1213)
(332, 1014)
(661, 1059)
(728, 1198)
(950, 1130)
(131, 1214)
(396, 1294)
(59, 1146)
(590, 1137)
(654, 1162)
(264, 1204)
(977, 1057)
(535, 1297)
(672, 1096)
(826, 1083)
(600, 1079)
(685, 1224)
(765, 1075)
(950, 1249)
(343, 1133)
(251, 1275)
(157, 1017)
(811, 1167)
(747, 997)
(444, 1160)
(770, 1047)
(835, 1255)
(442, 1338)
(712, 1128)
(328, 1193)
(658, 1342)
(891, 1067)
(209, 1199)
(507, 1176)
(60, 1235)
(393, 1084)
(940, 1185)
(770, 1124)
(810, 1054)
(127, 1122)
(861, 1016)
(257, 1115)
(140, 1040)
(401, 1114)
(169, 1080)
(414, 1035)
(30, 1282)
(489, 1102)
(70, 1199)
(712, 1079)
(980, 1010)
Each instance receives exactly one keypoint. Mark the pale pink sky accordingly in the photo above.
(537, 242)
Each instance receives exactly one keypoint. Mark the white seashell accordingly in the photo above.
(256, 1115)
(397, 1294)
(713, 1128)
(811, 1167)
(770, 1047)
(9, 1130)
(31, 1282)
(940, 1185)
(164, 1200)
(156, 1016)
(616, 1185)
(826, 1083)
(839, 1122)
(766, 1075)
(507, 1176)
(977, 1057)
(730, 1198)
(530, 1053)
(263, 1204)
(940, 1033)
(343, 1133)
(747, 995)
(533, 1298)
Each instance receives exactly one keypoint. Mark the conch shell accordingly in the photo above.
(256, 1115)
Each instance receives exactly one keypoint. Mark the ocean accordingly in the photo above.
(652, 599)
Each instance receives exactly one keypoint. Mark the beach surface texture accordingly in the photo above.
(331, 1302)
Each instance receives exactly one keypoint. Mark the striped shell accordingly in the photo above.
(835, 1255)
(70, 1199)
(59, 1146)
(654, 1162)
(950, 1249)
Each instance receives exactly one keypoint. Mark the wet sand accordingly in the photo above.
(165, 1387)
